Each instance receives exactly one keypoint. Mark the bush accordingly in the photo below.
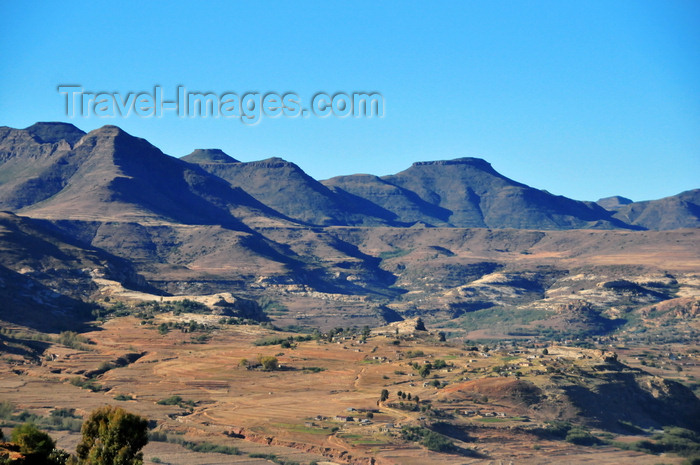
(157, 436)
(437, 442)
(63, 419)
(414, 353)
(557, 429)
(33, 443)
(313, 369)
(269, 362)
(430, 439)
(86, 384)
(581, 437)
(64, 413)
(72, 339)
(202, 446)
(6, 409)
(177, 400)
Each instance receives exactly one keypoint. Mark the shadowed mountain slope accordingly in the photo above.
(36, 163)
(285, 187)
(46, 277)
(111, 175)
(468, 192)
(674, 212)
(54, 170)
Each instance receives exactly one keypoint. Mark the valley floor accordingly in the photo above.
(322, 402)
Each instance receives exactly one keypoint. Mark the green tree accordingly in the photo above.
(384, 395)
(439, 364)
(366, 332)
(33, 443)
(113, 436)
(424, 371)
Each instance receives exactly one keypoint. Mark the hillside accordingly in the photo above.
(198, 378)
(452, 241)
(469, 193)
(674, 212)
(47, 280)
(286, 188)
(442, 315)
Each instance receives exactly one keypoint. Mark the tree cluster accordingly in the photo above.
(110, 436)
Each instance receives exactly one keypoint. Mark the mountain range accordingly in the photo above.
(56, 170)
(441, 238)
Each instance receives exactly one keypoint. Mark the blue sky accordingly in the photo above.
(583, 99)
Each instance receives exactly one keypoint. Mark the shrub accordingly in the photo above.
(64, 412)
(33, 443)
(72, 339)
(157, 436)
(6, 409)
(414, 353)
(314, 369)
(581, 437)
(176, 400)
(86, 384)
(437, 442)
(269, 362)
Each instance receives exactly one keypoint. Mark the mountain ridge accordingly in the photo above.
(55, 169)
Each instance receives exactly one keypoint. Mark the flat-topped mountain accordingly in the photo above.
(49, 133)
(614, 202)
(35, 163)
(468, 192)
